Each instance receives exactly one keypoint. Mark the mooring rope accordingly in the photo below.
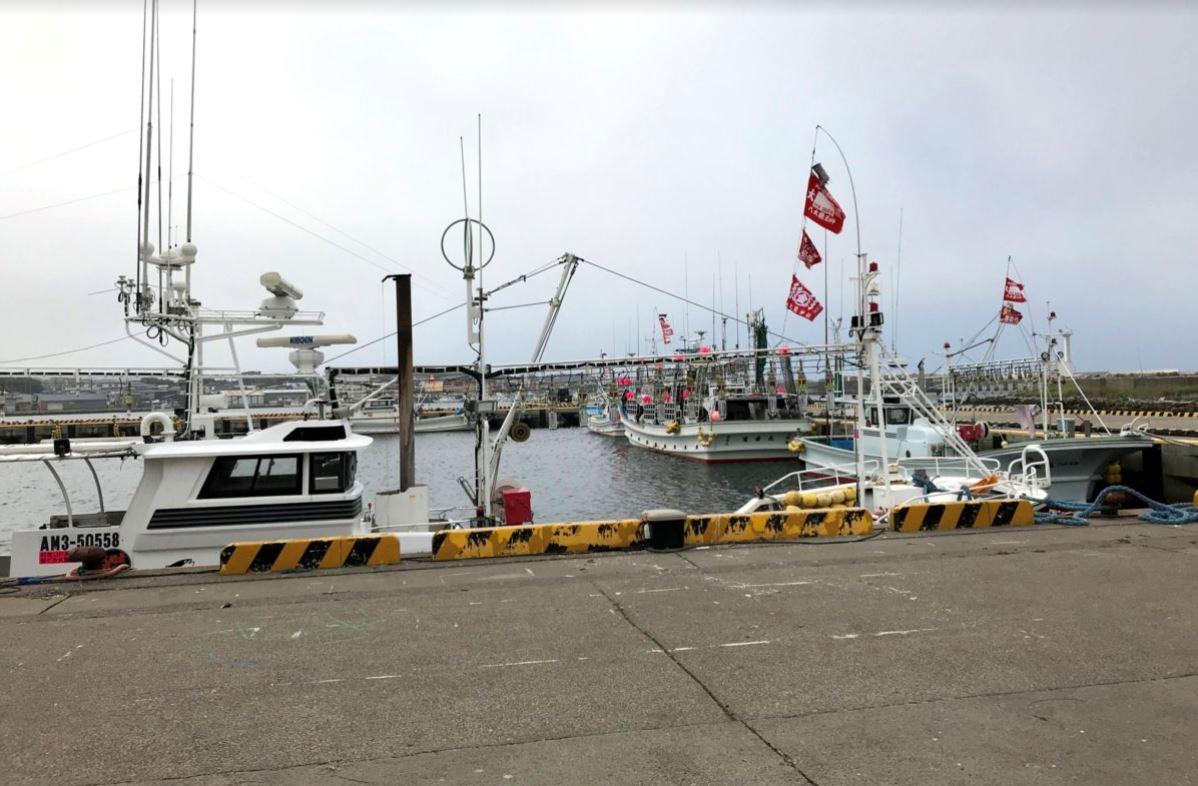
(1077, 514)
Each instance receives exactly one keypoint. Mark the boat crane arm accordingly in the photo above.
(569, 264)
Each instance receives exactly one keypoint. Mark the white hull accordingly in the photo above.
(750, 440)
(1078, 465)
(597, 424)
(389, 424)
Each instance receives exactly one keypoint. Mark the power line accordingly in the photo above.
(64, 153)
(319, 236)
(67, 352)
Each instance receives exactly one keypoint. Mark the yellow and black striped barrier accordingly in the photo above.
(777, 525)
(963, 514)
(533, 539)
(308, 554)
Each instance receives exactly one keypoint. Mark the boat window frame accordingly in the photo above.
(347, 473)
(208, 489)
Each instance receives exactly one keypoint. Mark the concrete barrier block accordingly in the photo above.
(308, 554)
(961, 514)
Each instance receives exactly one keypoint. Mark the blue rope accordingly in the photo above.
(1157, 513)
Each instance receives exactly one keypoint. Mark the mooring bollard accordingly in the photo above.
(665, 529)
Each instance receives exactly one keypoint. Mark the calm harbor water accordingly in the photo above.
(573, 475)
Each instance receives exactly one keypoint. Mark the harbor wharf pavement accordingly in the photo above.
(1037, 655)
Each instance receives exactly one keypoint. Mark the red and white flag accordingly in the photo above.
(667, 332)
(1013, 292)
(1009, 315)
(808, 253)
(821, 207)
(802, 301)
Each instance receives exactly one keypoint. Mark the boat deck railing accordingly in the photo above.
(958, 466)
(814, 478)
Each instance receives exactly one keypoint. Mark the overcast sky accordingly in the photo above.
(633, 138)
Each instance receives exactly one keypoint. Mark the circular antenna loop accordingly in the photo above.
(468, 248)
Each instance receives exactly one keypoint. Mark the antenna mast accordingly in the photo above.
(144, 251)
(141, 139)
(170, 168)
(191, 131)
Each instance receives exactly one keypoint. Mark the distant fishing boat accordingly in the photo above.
(607, 423)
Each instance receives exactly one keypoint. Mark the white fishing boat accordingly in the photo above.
(293, 480)
(902, 448)
(742, 429)
(719, 406)
(379, 416)
(607, 423)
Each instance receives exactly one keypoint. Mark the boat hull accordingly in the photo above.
(1077, 465)
(754, 440)
(604, 427)
(390, 424)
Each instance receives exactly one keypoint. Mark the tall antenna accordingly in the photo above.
(191, 134)
(145, 224)
(480, 184)
(719, 266)
(158, 86)
(141, 138)
(468, 233)
(713, 303)
(686, 293)
(736, 284)
(170, 166)
(898, 277)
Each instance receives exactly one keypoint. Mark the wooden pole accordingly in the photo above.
(404, 384)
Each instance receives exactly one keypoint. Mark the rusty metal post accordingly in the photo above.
(405, 400)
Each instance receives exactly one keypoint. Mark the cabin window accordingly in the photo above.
(253, 476)
(898, 416)
(332, 472)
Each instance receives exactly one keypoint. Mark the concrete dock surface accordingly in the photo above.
(1033, 655)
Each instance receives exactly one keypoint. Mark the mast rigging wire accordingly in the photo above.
(68, 202)
(68, 152)
(343, 233)
(667, 293)
(303, 228)
(67, 352)
(392, 333)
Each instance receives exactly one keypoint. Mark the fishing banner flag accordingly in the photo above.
(1013, 292)
(802, 301)
(821, 207)
(1009, 315)
(808, 254)
(667, 332)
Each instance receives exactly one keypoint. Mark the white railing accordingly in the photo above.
(821, 477)
(978, 467)
(1031, 469)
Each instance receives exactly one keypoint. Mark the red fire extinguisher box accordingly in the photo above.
(517, 506)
